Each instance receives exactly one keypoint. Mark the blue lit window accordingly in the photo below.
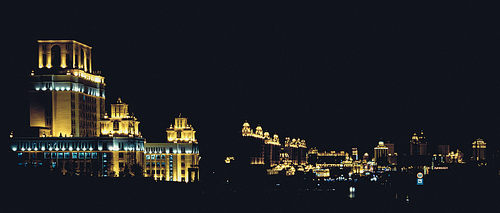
(152, 157)
(104, 155)
(94, 155)
(81, 155)
(60, 155)
(147, 157)
(66, 155)
(87, 155)
(20, 155)
(75, 155)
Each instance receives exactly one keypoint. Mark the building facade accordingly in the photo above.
(177, 159)
(120, 123)
(478, 150)
(418, 144)
(90, 156)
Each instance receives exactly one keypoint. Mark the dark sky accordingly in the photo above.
(338, 75)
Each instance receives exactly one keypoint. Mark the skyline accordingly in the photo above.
(337, 79)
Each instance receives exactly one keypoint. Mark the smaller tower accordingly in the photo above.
(478, 150)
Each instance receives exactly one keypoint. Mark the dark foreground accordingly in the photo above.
(442, 192)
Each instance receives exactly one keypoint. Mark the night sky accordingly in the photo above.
(338, 75)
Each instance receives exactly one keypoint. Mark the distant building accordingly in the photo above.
(418, 144)
(478, 150)
(391, 154)
(177, 159)
(455, 157)
(366, 157)
(380, 153)
(354, 153)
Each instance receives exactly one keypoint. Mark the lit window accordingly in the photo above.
(147, 157)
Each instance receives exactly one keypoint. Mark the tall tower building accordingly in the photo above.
(66, 105)
(478, 150)
(178, 158)
(418, 144)
(380, 151)
(66, 97)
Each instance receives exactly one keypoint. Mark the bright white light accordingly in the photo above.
(100, 148)
(36, 149)
(22, 149)
(70, 149)
(29, 149)
(50, 149)
(63, 149)
(44, 89)
(14, 149)
(84, 148)
(38, 88)
(90, 149)
(57, 149)
(77, 149)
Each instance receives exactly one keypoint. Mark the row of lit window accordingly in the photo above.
(67, 155)
(162, 157)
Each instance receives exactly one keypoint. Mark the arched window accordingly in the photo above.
(55, 56)
(116, 125)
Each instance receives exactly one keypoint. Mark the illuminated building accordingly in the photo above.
(391, 154)
(66, 105)
(418, 144)
(93, 156)
(120, 123)
(366, 157)
(380, 152)
(66, 97)
(295, 149)
(478, 150)
(455, 157)
(265, 150)
(355, 153)
(176, 159)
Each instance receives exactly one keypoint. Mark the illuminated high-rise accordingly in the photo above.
(478, 150)
(380, 152)
(66, 96)
(66, 107)
(418, 144)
